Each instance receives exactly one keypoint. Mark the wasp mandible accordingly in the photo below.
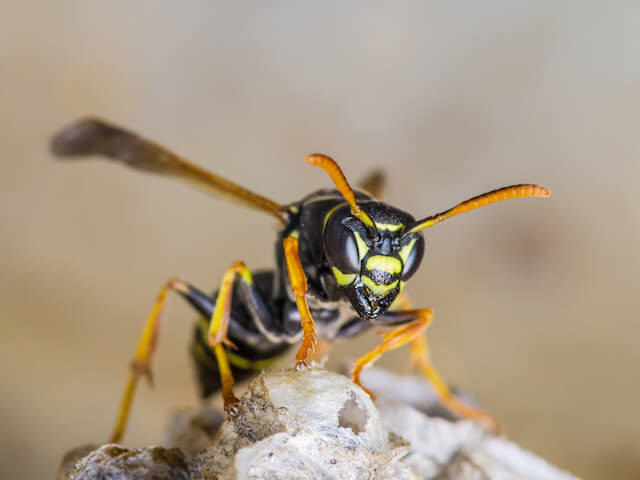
(342, 260)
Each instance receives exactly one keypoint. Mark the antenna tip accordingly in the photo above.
(542, 191)
(317, 158)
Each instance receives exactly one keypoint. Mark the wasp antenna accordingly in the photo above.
(335, 172)
(505, 193)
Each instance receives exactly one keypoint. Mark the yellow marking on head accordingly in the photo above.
(390, 265)
(330, 212)
(406, 250)
(391, 227)
(293, 209)
(343, 279)
(378, 289)
(363, 248)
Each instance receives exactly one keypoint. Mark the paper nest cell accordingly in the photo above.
(316, 424)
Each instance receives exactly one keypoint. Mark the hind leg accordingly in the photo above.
(219, 325)
(141, 363)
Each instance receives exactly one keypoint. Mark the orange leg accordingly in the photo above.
(141, 363)
(421, 359)
(393, 339)
(218, 327)
(298, 282)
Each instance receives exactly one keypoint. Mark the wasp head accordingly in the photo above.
(371, 263)
(373, 248)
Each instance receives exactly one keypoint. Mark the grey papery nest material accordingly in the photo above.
(315, 424)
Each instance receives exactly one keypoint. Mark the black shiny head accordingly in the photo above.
(371, 263)
(373, 248)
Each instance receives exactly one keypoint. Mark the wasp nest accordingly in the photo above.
(315, 424)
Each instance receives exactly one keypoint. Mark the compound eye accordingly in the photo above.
(341, 247)
(414, 259)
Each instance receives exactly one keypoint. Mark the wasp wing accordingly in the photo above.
(96, 137)
(374, 183)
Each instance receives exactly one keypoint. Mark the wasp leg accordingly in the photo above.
(257, 309)
(421, 358)
(141, 363)
(393, 339)
(256, 350)
(219, 326)
(298, 282)
(205, 305)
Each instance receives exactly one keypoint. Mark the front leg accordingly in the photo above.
(419, 320)
(298, 281)
(421, 358)
(414, 333)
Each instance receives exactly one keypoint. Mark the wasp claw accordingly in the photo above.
(232, 407)
(302, 364)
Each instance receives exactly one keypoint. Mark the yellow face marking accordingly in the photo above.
(293, 209)
(378, 289)
(390, 265)
(406, 250)
(391, 227)
(362, 246)
(343, 279)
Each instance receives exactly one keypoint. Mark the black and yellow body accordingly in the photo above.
(253, 351)
(264, 320)
(342, 260)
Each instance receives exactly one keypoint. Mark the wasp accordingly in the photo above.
(343, 259)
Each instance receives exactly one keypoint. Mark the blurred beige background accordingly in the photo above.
(536, 301)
